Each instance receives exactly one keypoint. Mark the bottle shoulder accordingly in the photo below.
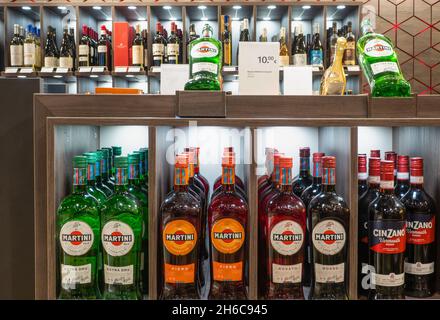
(228, 201)
(180, 202)
(121, 202)
(78, 204)
(386, 206)
(418, 201)
(328, 201)
(286, 203)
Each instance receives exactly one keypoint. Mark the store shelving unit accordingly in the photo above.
(336, 125)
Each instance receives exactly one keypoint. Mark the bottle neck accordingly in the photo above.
(133, 173)
(329, 179)
(104, 169)
(416, 182)
(91, 174)
(79, 179)
(228, 177)
(386, 186)
(121, 179)
(317, 172)
(181, 179)
(285, 179)
(304, 169)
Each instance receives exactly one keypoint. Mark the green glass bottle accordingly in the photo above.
(91, 182)
(116, 151)
(98, 174)
(144, 181)
(78, 230)
(121, 236)
(107, 168)
(142, 170)
(379, 63)
(134, 187)
(205, 62)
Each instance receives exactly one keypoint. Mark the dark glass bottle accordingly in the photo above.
(362, 174)
(66, 53)
(180, 216)
(304, 178)
(158, 46)
(72, 46)
(50, 50)
(91, 182)
(392, 156)
(329, 238)
(103, 50)
(386, 238)
(420, 254)
(227, 43)
(309, 193)
(316, 51)
(99, 172)
(227, 220)
(300, 56)
(84, 58)
(402, 186)
(332, 43)
(173, 45)
(286, 228)
(375, 153)
(137, 48)
(198, 175)
(364, 268)
(78, 230)
(350, 50)
(107, 168)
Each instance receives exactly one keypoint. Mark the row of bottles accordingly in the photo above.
(102, 227)
(168, 49)
(201, 232)
(396, 247)
(25, 51)
(94, 51)
(303, 229)
(349, 54)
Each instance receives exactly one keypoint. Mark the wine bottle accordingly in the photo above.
(333, 81)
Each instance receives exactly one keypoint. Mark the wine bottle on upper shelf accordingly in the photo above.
(29, 49)
(329, 238)
(350, 50)
(99, 172)
(16, 48)
(66, 53)
(308, 48)
(316, 52)
(227, 43)
(92, 189)
(84, 58)
(137, 48)
(420, 254)
(244, 33)
(333, 81)
(263, 36)
(285, 241)
(180, 37)
(158, 47)
(304, 179)
(106, 166)
(364, 268)
(173, 45)
(403, 184)
(392, 156)
(50, 50)
(332, 43)
(387, 239)
(103, 50)
(308, 194)
(284, 51)
(227, 220)
(362, 174)
(379, 63)
(72, 46)
(300, 56)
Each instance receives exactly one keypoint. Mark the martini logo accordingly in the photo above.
(204, 49)
(387, 237)
(227, 235)
(76, 238)
(329, 237)
(287, 237)
(179, 237)
(378, 48)
(117, 238)
(420, 228)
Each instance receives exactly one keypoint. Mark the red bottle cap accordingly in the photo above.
(228, 149)
(402, 163)
(276, 158)
(182, 161)
(103, 28)
(286, 162)
(386, 170)
(374, 167)
(375, 154)
(329, 162)
(228, 161)
(362, 162)
(317, 156)
(304, 152)
(417, 167)
(391, 156)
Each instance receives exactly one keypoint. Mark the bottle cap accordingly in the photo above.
(386, 170)
(91, 157)
(228, 149)
(99, 155)
(417, 167)
(375, 153)
(317, 156)
(133, 158)
(276, 158)
(374, 167)
(121, 162)
(304, 152)
(391, 156)
(329, 162)
(228, 160)
(286, 162)
(362, 162)
(402, 163)
(106, 152)
(79, 162)
(117, 151)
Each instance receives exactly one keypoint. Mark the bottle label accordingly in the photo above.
(385, 66)
(158, 49)
(102, 49)
(173, 49)
(419, 269)
(117, 238)
(287, 237)
(416, 179)
(83, 59)
(384, 184)
(182, 273)
(227, 235)
(329, 176)
(83, 50)
(387, 236)
(51, 62)
(402, 175)
(362, 176)
(378, 48)
(300, 59)
(286, 273)
(227, 271)
(204, 49)
(74, 275)
(118, 275)
(284, 61)
(349, 53)
(79, 176)
(329, 273)
(66, 62)
(317, 169)
(179, 237)
(420, 228)
(16, 55)
(374, 179)
(76, 238)
(29, 54)
(121, 176)
(316, 57)
(329, 237)
(388, 280)
(138, 54)
(205, 67)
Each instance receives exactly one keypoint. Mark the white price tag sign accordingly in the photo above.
(11, 70)
(98, 69)
(173, 78)
(85, 69)
(353, 68)
(26, 70)
(134, 69)
(120, 69)
(62, 70)
(258, 68)
(298, 80)
(46, 70)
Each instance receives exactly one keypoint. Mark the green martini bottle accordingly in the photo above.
(91, 182)
(144, 181)
(107, 168)
(121, 236)
(134, 187)
(142, 170)
(98, 174)
(78, 230)
(116, 151)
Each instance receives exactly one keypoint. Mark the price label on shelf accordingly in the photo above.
(229, 68)
(155, 69)
(11, 70)
(98, 69)
(62, 70)
(46, 70)
(298, 80)
(353, 68)
(121, 69)
(315, 68)
(26, 70)
(85, 69)
(134, 69)
(258, 68)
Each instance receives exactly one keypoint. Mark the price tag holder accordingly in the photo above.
(46, 70)
(134, 69)
(120, 69)
(353, 68)
(298, 80)
(258, 68)
(11, 70)
(98, 69)
(229, 68)
(26, 70)
(315, 68)
(85, 69)
(155, 69)
(61, 70)
(173, 77)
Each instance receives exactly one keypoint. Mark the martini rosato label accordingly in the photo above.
(287, 237)
(329, 237)
(387, 236)
(179, 237)
(117, 238)
(378, 48)
(227, 235)
(76, 238)
(420, 228)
